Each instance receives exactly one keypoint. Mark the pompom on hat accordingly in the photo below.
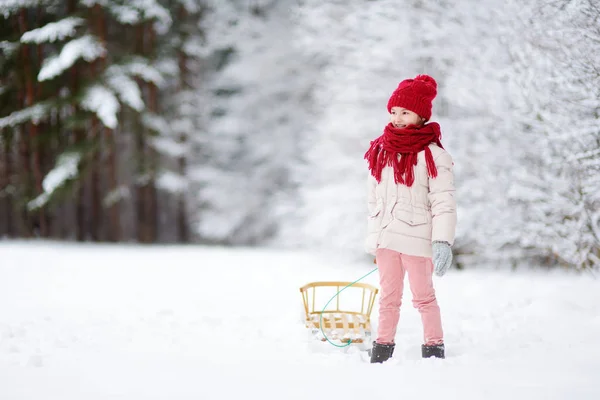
(415, 95)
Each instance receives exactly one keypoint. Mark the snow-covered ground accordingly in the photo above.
(84, 322)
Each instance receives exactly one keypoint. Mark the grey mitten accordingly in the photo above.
(442, 257)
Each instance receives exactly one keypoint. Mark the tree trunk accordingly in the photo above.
(6, 185)
(25, 225)
(96, 133)
(151, 193)
(182, 227)
(146, 208)
(79, 137)
(114, 231)
(114, 226)
(62, 211)
(37, 137)
(27, 131)
(39, 227)
(141, 180)
(95, 194)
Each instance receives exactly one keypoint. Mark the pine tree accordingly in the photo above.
(559, 96)
(256, 95)
(89, 76)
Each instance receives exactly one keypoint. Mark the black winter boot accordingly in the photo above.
(381, 352)
(436, 350)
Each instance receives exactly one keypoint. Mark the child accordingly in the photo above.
(412, 213)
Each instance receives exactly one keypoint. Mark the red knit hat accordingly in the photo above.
(415, 95)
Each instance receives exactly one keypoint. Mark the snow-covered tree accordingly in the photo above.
(246, 122)
(78, 79)
(25, 109)
(182, 50)
(559, 111)
(489, 66)
(257, 98)
(365, 49)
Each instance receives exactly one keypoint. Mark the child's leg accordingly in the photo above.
(420, 271)
(391, 280)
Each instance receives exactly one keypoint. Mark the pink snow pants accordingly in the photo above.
(392, 267)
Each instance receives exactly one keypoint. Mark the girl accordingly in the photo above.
(412, 213)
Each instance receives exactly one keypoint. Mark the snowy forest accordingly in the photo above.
(245, 122)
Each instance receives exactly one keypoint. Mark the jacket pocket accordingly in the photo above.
(376, 210)
(409, 214)
(375, 218)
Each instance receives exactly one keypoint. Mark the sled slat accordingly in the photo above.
(349, 323)
(356, 320)
(327, 321)
(345, 323)
(362, 303)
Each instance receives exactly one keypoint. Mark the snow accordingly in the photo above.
(104, 103)
(8, 48)
(169, 146)
(155, 12)
(297, 94)
(156, 123)
(86, 47)
(34, 114)
(136, 11)
(126, 14)
(172, 182)
(53, 31)
(67, 167)
(106, 322)
(145, 71)
(11, 6)
(116, 195)
(127, 89)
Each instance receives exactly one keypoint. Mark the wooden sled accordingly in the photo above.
(347, 316)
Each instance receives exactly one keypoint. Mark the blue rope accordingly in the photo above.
(321, 318)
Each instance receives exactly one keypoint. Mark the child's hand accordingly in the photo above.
(442, 257)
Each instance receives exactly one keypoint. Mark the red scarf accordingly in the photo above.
(398, 148)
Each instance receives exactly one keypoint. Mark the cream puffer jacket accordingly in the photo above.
(408, 219)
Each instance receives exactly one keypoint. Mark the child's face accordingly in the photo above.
(401, 117)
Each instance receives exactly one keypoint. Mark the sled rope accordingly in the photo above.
(321, 317)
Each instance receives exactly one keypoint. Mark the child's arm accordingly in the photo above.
(371, 247)
(372, 198)
(441, 198)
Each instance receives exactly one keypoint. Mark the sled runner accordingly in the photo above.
(346, 317)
